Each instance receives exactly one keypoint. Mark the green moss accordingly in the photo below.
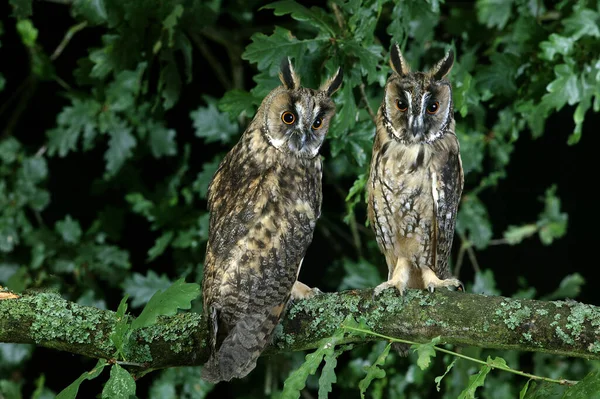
(541, 312)
(486, 326)
(513, 314)
(594, 347)
(54, 319)
(566, 338)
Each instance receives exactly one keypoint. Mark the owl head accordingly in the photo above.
(296, 119)
(417, 107)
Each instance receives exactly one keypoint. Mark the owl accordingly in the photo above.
(416, 177)
(264, 201)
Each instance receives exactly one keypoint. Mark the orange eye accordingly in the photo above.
(318, 123)
(288, 118)
(401, 105)
(433, 108)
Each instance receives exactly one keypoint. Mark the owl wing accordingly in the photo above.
(256, 243)
(448, 186)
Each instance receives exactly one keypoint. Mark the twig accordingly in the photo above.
(66, 39)
(20, 107)
(363, 95)
(212, 60)
(449, 352)
(459, 260)
(338, 15)
(499, 241)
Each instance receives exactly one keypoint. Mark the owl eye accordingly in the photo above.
(401, 105)
(318, 123)
(288, 118)
(433, 107)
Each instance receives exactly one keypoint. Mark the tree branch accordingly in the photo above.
(560, 327)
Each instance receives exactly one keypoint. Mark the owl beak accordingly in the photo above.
(297, 139)
(417, 127)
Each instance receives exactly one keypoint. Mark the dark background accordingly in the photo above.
(535, 165)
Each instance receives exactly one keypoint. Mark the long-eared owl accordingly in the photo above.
(416, 176)
(264, 201)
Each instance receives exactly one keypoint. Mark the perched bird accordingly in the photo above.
(264, 201)
(416, 176)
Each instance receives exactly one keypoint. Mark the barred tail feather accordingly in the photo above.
(237, 355)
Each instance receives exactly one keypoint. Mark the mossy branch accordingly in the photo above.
(559, 327)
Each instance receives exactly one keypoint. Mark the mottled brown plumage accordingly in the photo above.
(416, 176)
(264, 201)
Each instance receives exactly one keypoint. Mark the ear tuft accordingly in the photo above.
(443, 67)
(288, 76)
(333, 84)
(397, 61)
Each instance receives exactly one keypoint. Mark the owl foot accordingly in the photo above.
(303, 291)
(431, 281)
(399, 278)
(400, 286)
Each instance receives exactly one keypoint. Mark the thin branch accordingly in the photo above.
(364, 98)
(212, 61)
(559, 327)
(66, 39)
(21, 106)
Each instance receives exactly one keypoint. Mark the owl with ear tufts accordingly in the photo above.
(416, 177)
(264, 201)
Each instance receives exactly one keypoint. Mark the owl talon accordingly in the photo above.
(303, 291)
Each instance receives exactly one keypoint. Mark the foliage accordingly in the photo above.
(103, 191)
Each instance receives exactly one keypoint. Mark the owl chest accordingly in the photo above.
(403, 194)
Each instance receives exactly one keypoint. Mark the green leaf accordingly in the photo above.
(268, 51)
(374, 371)
(21, 8)
(204, 178)
(69, 230)
(70, 392)
(169, 81)
(165, 303)
(180, 383)
(10, 389)
(328, 377)
(160, 245)
(565, 88)
(19, 280)
(141, 206)
(120, 385)
(552, 223)
(14, 354)
(35, 169)
(438, 379)
(162, 141)
(94, 11)
(359, 275)
(583, 22)
(296, 381)
(141, 288)
(117, 337)
(475, 381)
(80, 117)
(122, 92)
(212, 125)
(237, 103)
(473, 221)
(516, 234)
(494, 13)
(524, 390)
(588, 388)
(9, 150)
(426, 352)
(315, 16)
(120, 148)
(500, 76)
(170, 22)
(569, 287)
(28, 32)
(556, 44)
(485, 283)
